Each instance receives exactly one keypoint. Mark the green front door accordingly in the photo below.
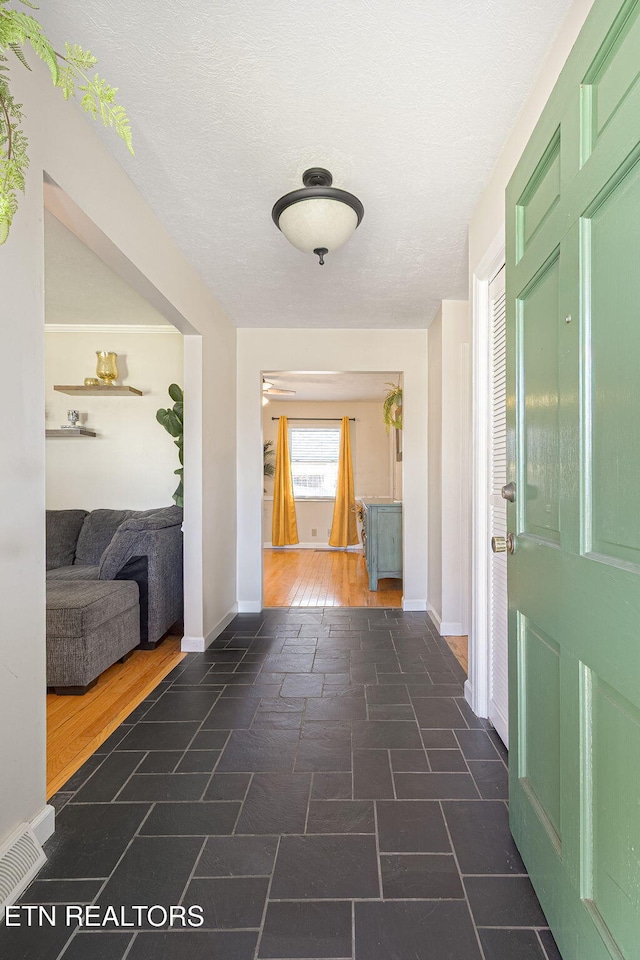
(573, 400)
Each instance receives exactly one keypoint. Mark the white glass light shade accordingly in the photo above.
(318, 222)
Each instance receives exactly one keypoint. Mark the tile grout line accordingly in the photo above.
(193, 869)
(464, 889)
(266, 901)
(353, 929)
(377, 842)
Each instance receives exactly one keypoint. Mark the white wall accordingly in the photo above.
(449, 487)
(130, 464)
(370, 452)
(311, 350)
(434, 592)
(63, 144)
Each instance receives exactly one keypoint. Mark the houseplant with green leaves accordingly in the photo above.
(392, 407)
(171, 419)
(72, 71)
(268, 459)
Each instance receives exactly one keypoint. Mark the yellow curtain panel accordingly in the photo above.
(284, 528)
(344, 529)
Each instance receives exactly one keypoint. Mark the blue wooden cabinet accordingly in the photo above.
(382, 539)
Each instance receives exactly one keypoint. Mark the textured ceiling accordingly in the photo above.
(408, 103)
(81, 288)
(331, 385)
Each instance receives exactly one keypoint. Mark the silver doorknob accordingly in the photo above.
(509, 492)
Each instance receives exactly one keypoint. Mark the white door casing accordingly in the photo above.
(477, 686)
(497, 465)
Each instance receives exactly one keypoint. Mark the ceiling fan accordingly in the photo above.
(269, 390)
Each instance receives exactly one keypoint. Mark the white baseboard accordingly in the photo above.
(500, 723)
(192, 645)
(313, 546)
(200, 644)
(44, 824)
(221, 625)
(446, 628)
(415, 605)
(435, 616)
(468, 693)
(249, 606)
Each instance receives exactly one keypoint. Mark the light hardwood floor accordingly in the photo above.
(76, 726)
(459, 647)
(323, 578)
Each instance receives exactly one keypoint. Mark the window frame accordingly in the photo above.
(309, 429)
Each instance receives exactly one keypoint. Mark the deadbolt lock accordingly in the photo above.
(504, 544)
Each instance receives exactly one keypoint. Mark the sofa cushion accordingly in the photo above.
(76, 572)
(78, 608)
(63, 530)
(140, 522)
(128, 540)
(97, 531)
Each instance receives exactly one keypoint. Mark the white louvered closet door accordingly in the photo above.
(498, 673)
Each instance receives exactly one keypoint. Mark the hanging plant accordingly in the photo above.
(392, 407)
(171, 419)
(69, 71)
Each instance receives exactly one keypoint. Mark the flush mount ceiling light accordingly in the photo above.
(319, 218)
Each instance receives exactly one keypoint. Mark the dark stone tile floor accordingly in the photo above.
(317, 784)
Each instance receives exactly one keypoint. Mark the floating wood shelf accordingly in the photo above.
(119, 390)
(71, 432)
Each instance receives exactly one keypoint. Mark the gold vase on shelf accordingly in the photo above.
(107, 368)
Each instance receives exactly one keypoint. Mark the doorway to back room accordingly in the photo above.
(114, 543)
(332, 502)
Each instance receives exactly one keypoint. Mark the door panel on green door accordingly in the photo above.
(613, 74)
(613, 812)
(540, 195)
(612, 284)
(537, 312)
(539, 753)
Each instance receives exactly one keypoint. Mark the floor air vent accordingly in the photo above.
(20, 859)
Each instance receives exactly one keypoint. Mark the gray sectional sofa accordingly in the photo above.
(114, 582)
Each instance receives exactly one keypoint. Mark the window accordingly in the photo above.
(314, 461)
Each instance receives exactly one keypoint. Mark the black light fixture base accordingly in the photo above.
(314, 189)
(317, 177)
(317, 186)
